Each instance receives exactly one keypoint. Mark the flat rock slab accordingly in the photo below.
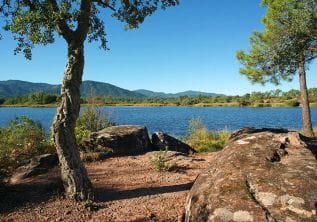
(261, 175)
(119, 140)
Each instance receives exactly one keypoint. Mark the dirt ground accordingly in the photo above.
(127, 189)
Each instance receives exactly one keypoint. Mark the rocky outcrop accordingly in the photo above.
(119, 140)
(35, 166)
(162, 141)
(261, 175)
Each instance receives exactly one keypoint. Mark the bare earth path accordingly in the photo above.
(127, 189)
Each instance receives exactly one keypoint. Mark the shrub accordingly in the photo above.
(258, 105)
(21, 140)
(203, 140)
(2, 100)
(160, 162)
(91, 120)
(292, 103)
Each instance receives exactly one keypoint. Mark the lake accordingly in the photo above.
(174, 119)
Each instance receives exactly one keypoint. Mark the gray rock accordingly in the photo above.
(119, 140)
(261, 175)
(35, 166)
(162, 141)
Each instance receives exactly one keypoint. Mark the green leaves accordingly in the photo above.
(289, 35)
(36, 22)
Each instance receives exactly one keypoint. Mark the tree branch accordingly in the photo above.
(105, 4)
(62, 26)
(83, 20)
(311, 58)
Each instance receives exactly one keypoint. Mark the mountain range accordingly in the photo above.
(11, 88)
(149, 93)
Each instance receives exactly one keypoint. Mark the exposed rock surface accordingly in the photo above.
(162, 141)
(261, 175)
(35, 166)
(119, 140)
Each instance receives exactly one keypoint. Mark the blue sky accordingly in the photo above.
(188, 47)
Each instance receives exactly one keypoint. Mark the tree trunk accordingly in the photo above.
(307, 126)
(74, 175)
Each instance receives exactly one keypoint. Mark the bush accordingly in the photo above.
(203, 140)
(292, 103)
(91, 120)
(160, 162)
(21, 140)
(37, 98)
(2, 100)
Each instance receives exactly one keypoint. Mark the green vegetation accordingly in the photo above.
(90, 120)
(272, 98)
(21, 140)
(24, 138)
(160, 161)
(203, 140)
(37, 98)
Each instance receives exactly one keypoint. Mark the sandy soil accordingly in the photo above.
(127, 189)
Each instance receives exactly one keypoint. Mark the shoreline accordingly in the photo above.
(271, 105)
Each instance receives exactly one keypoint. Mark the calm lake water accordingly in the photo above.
(174, 120)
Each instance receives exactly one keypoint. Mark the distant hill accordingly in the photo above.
(18, 88)
(149, 93)
(88, 88)
(11, 88)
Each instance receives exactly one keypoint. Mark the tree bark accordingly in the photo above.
(74, 175)
(307, 126)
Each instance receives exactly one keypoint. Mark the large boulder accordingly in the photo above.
(119, 140)
(35, 166)
(162, 141)
(261, 175)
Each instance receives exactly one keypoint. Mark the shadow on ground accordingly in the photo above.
(104, 194)
(13, 197)
(312, 144)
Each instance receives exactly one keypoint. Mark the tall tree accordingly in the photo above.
(37, 22)
(286, 46)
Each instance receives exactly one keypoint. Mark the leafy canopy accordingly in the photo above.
(289, 37)
(36, 21)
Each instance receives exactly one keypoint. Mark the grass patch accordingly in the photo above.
(203, 140)
(92, 119)
(160, 162)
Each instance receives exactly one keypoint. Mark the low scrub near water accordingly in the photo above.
(22, 139)
(204, 140)
(37, 98)
(92, 119)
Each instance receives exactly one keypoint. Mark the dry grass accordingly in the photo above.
(204, 140)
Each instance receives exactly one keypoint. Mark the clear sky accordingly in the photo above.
(188, 47)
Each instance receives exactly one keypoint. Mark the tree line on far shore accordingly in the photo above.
(274, 98)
